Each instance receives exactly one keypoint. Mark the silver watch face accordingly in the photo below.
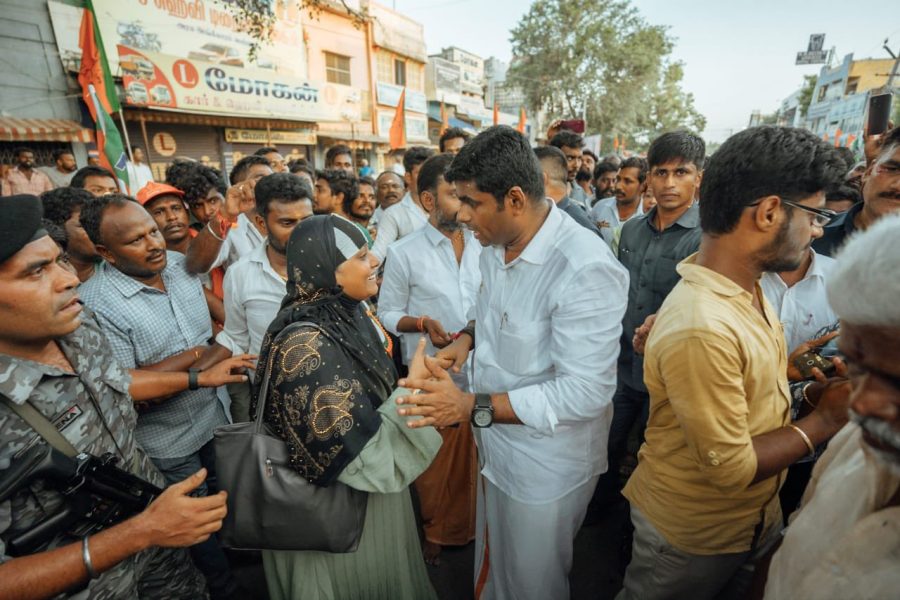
(482, 417)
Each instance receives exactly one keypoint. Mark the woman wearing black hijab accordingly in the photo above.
(332, 395)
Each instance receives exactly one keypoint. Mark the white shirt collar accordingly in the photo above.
(538, 249)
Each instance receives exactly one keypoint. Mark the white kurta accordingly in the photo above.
(547, 333)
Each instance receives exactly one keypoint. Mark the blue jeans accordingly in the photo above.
(208, 555)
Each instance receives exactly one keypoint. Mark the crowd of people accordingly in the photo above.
(518, 338)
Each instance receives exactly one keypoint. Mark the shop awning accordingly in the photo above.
(43, 130)
(434, 113)
(347, 136)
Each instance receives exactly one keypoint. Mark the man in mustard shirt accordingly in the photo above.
(704, 497)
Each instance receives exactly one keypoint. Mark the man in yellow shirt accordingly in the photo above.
(705, 494)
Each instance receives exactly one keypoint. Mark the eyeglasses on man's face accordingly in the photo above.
(821, 218)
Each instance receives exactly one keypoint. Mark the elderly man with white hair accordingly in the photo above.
(845, 540)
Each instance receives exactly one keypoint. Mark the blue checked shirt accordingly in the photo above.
(144, 326)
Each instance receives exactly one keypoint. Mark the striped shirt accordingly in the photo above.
(145, 325)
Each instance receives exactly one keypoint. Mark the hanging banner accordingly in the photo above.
(167, 82)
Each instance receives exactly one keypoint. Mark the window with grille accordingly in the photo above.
(337, 68)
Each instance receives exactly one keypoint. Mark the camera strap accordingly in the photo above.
(41, 425)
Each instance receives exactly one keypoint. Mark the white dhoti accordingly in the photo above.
(524, 551)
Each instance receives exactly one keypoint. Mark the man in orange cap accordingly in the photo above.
(165, 204)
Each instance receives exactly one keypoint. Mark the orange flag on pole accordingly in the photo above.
(94, 70)
(398, 126)
(850, 139)
(521, 126)
(496, 114)
(837, 137)
(616, 142)
(445, 121)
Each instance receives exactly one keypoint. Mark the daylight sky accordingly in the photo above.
(738, 55)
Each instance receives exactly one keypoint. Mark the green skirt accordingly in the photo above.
(388, 564)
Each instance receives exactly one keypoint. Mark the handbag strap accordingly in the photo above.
(41, 425)
(264, 384)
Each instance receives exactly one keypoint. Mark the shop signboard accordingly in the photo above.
(389, 95)
(162, 81)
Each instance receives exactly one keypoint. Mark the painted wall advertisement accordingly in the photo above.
(167, 82)
(416, 126)
(190, 29)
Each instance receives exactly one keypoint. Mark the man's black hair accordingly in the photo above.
(336, 151)
(567, 138)
(847, 156)
(302, 167)
(242, 167)
(841, 192)
(681, 146)
(265, 150)
(498, 159)
(556, 168)
(604, 167)
(279, 187)
(20, 150)
(590, 153)
(195, 180)
(83, 173)
(93, 211)
(636, 162)
(56, 232)
(764, 161)
(452, 133)
(367, 181)
(341, 182)
(136, 147)
(57, 154)
(432, 170)
(59, 204)
(415, 156)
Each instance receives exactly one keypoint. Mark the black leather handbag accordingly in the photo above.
(270, 505)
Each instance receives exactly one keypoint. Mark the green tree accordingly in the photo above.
(602, 60)
(258, 17)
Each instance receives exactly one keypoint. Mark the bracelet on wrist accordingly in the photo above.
(809, 445)
(213, 233)
(86, 559)
(420, 323)
(804, 395)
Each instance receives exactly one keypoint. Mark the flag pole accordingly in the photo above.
(125, 132)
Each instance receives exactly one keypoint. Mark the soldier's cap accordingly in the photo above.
(20, 223)
(154, 190)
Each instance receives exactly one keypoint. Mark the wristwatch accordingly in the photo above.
(193, 379)
(483, 412)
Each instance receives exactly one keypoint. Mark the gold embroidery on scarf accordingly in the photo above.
(300, 354)
(330, 412)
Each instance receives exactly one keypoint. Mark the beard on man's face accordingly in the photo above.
(781, 255)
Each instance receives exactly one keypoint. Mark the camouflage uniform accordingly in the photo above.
(94, 412)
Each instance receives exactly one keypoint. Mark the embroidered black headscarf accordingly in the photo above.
(328, 381)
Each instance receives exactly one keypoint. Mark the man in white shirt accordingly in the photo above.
(210, 249)
(545, 339)
(431, 279)
(139, 173)
(626, 203)
(799, 298)
(407, 215)
(255, 285)
(389, 190)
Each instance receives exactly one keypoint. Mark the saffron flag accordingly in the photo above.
(850, 139)
(521, 126)
(398, 125)
(94, 67)
(496, 114)
(616, 142)
(837, 137)
(445, 121)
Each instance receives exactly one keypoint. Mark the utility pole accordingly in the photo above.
(896, 57)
